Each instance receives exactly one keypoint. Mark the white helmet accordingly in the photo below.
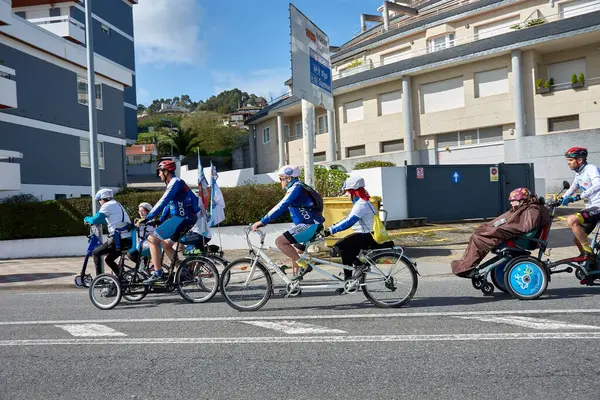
(104, 194)
(354, 182)
(289, 170)
(147, 206)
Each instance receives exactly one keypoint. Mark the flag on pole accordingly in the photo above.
(203, 190)
(217, 203)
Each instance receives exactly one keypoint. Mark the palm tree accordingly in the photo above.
(184, 141)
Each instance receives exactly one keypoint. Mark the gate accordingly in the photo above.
(456, 192)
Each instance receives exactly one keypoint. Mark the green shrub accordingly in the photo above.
(328, 182)
(581, 78)
(20, 198)
(374, 164)
(36, 220)
(539, 82)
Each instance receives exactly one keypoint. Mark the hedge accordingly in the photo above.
(57, 218)
(374, 164)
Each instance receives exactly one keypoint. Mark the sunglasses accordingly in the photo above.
(281, 178)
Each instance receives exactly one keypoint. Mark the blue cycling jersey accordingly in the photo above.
(299, 202)
(178, 200)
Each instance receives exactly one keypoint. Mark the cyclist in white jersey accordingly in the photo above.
(587, 179)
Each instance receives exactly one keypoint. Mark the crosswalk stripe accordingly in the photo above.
(528, 322)
(293, 327)
(90, 330)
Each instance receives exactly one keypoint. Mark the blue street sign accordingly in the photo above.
(320, 74)
(455, 177)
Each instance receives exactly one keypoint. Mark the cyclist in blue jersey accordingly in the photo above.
(179, 207)
(306, 209)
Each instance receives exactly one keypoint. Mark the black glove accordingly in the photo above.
(326, 232)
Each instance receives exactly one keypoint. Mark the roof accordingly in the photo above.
(508, 41)
(279, 104)
(139, 149)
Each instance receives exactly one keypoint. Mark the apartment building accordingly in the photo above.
(456, 82)
(44, 136)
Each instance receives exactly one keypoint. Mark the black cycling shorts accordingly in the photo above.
(589, 218)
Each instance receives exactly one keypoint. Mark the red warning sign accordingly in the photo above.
(493, 174)
(420, 173)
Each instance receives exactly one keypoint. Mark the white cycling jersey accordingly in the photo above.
(360, 218)
(588, 180)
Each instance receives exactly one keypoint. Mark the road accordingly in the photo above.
(450, 342)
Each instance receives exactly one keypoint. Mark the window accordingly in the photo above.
(443, 95)
(353, 111)
(440, 43)
(496, 28)
(266, 134)
(20, 14)
(60, 196)
(392, 145)
(490, 83)
(55, 12)
(105, 29)
(470, 137)
(578, 7)
(355, 151)
(321, 124)
(390, 103)
(563, 123)
(286, 132)
(82, 93)
(87, 195)
(297, 131)
(561, 72)
(320, 157)
(84, 153)
(395, 56)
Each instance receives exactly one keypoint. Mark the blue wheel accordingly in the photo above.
(526, 278)
(497, 276)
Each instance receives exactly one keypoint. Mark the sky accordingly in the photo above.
(202, 47)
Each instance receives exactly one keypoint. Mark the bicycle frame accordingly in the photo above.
(314, 262)
(93, 242)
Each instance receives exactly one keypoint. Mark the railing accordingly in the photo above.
(6, 72)
(370, 64)
(275, 100)
(567, 85)
(53, 20)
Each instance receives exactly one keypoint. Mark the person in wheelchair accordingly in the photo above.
(527, 214)
(360, 219)
(112, 214)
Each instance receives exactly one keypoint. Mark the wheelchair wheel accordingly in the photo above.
(526, 278)
(497, 276)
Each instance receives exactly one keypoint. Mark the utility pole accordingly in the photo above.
(89, 44)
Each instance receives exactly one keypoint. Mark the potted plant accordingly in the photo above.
(541, 87)
(534, 22)
(574, 83)
(516, 26)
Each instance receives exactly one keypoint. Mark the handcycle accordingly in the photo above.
(192, 273)
(254, 273)
(83, 279)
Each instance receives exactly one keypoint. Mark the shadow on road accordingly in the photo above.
(32, 277)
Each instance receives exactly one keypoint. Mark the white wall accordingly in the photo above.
(390, 184)
(234, 178)
(484, 154)
(47, 192)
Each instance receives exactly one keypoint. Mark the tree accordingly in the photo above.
(141, 108)
(185, 142)
(212, 135)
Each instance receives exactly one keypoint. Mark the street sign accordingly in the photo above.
(493, 174)
(311, 64)
(455, 177)
(420, 173)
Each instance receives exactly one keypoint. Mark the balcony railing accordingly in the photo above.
(8, 88)
(64, 26)
(10, 179)
(529, 22)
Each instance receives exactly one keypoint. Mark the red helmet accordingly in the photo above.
(519, 194)
(577, 152)
(166, 165)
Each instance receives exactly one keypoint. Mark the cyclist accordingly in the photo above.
(587, 179)
(360, 219)
(306, 209)
(112, 214)
(179, 206)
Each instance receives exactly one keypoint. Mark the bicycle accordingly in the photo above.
(83, 279)
(192, 270)
(255, 271)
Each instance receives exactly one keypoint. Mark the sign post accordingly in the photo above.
(311, 79)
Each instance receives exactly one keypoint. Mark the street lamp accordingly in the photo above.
(171, 132)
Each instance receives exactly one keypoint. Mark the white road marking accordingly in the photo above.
(309, 339)
(308, 317)
(90, 330)
(533, 323)
(293, 327)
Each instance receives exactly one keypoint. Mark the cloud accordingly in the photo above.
(168, 32)
(259, 82)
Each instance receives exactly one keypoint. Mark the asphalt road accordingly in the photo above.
(449, 342)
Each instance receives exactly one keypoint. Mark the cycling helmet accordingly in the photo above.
(353, 183)
(147, 206)
(289, 170)
(104, 194)
(577, 152)
(519, 194)
(166, 165)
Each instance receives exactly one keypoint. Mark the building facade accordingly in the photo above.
(44, 101)
(460, 82)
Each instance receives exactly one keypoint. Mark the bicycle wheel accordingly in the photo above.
(136, 291)
(497, 275)
(105, 287)
(220, 263)
(393, 277)
(249, 288)
(197, 279)
(526, 278)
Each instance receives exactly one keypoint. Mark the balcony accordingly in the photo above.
(10, 178)
(5, 12)
(64, 26)
(8, 88)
